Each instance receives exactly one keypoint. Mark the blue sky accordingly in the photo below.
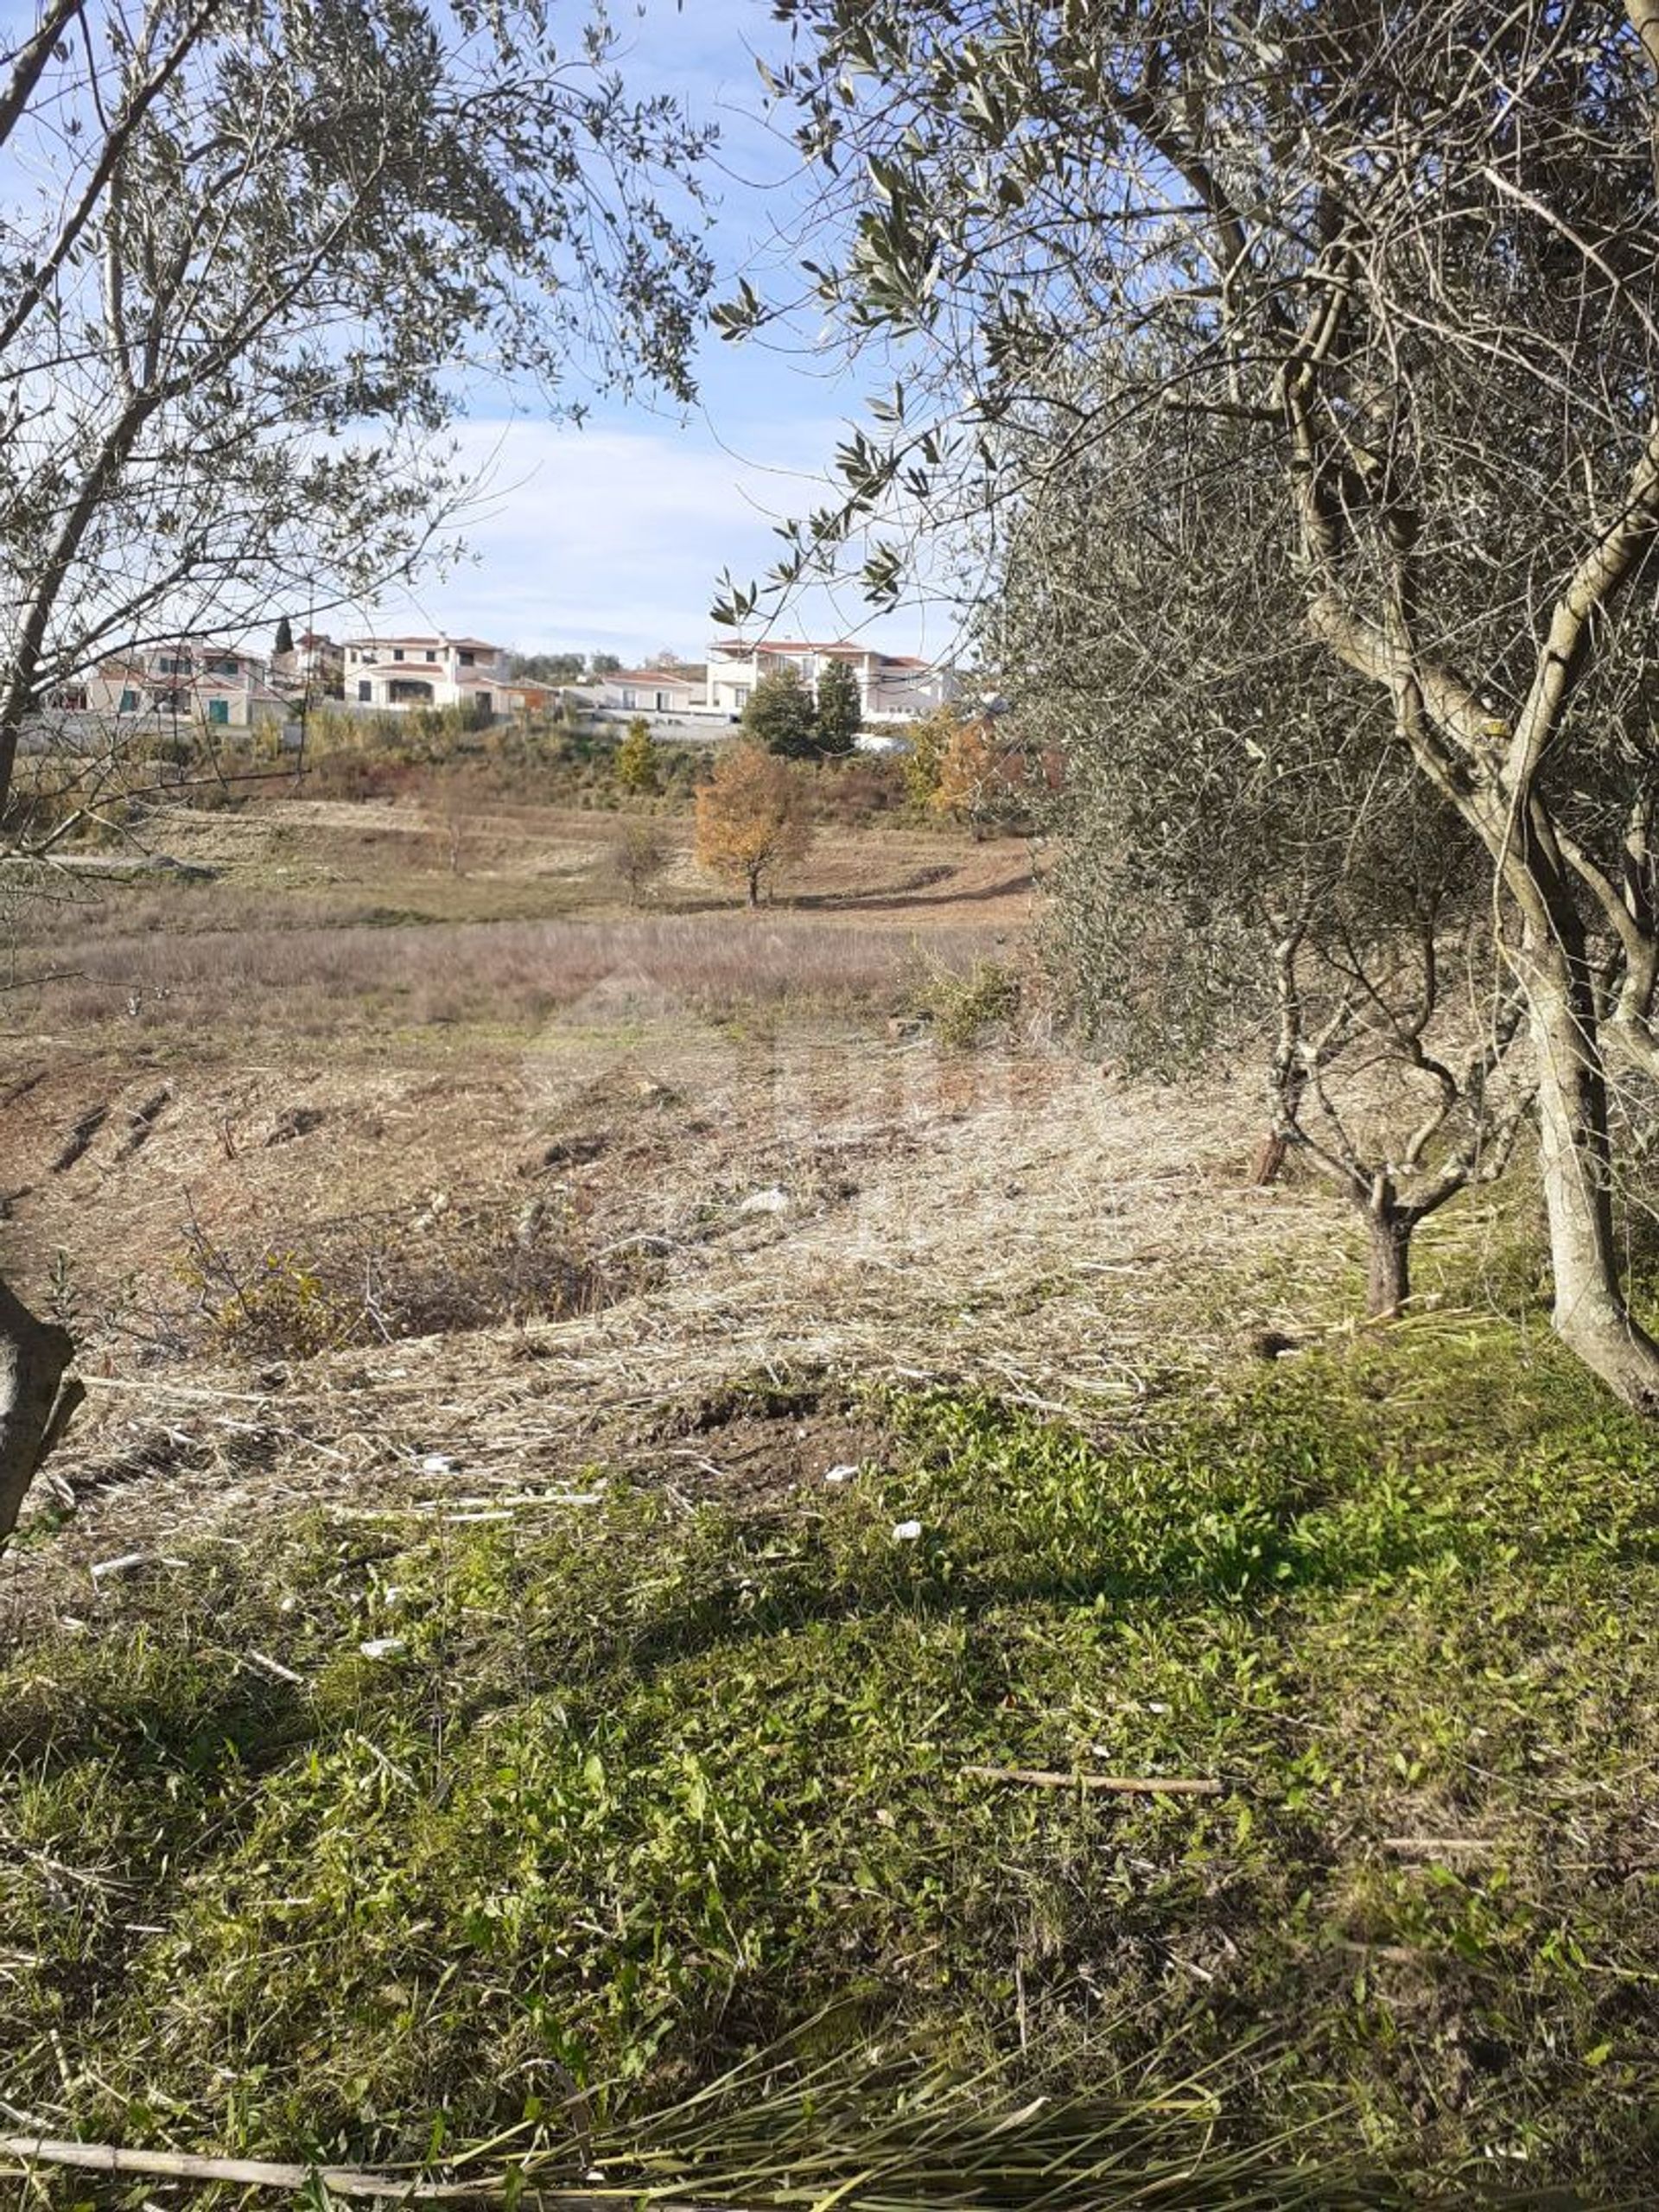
(611, 536)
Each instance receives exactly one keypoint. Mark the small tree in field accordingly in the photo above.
(640, 856)
(636, 758)
(780, 716)
(841, 711)
(452, 812)
(751, 818)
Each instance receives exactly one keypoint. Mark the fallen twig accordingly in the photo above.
(1122, 1785)
(149, 1385)
(129, 1562)
(183, 2165)
(339, 2181)
(1411, 1845)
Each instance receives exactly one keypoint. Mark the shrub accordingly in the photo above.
(965, 1007)
(284, 1309)
(363, 1283)
(639, 857)
(927, 741)
(857, 787)
(979, 775)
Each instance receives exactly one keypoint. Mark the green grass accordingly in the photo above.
(649, 1790)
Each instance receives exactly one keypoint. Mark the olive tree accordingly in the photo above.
(251, 251)
(1248, 867)
(1410, 253)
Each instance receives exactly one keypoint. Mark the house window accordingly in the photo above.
(219, 710)
(228, 666)
(365, 692)
(72, 700)
(482, 700)
(630, 698)
(468, 660)
(662, 702)
(396, 652)
(740, 694)
(129, 703)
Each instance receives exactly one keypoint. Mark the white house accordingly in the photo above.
(188, 679)
(647, 690)
(891, 687)
(402, 672)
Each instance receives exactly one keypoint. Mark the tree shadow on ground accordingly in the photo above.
(921, 894)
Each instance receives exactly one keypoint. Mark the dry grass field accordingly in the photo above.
(339, 1061)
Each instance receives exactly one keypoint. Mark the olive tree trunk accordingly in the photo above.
(1590, 1314)
(1387, 1278)
(36, 1402)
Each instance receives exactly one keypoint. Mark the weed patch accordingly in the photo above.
(389, 1835)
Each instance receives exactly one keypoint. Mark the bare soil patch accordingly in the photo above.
(755, 1444)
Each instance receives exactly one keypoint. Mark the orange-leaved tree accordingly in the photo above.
(978, 774)
(752, 818)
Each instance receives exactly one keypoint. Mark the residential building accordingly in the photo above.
(647, 690)
(440, 671)
(314, 664)
(186, 679)
(891, 687)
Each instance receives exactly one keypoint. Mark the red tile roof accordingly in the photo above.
(796, 646)
(743, 649)
(467, 645)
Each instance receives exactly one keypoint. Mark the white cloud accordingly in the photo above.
(613, 539)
